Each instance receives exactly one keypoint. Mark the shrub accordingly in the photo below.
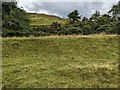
(87, 29)
(70, 30)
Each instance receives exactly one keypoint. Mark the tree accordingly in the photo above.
(115, 10)
(56, 25)
(74, 16)
(87, 29)
(14, 20)
(85, 19)
(95, 16)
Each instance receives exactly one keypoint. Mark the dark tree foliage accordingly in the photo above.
(15, 21)
(95, 16)
(85, 19)
(74, 16)
(115, 10)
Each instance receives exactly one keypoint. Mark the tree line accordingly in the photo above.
(16, 23)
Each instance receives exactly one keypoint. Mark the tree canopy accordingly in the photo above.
(74, 16)
(14, 19)
(115, 10)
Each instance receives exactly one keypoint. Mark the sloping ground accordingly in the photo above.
(43, 19)
(65, 61)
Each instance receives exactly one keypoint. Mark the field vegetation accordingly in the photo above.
(61, 62)
(45, 51)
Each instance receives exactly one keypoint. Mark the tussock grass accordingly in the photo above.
(61, 61)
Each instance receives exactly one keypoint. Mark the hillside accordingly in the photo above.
(43, 19)
(61, 62)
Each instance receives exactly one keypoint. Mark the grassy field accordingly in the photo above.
(43, 19)
(61, 61)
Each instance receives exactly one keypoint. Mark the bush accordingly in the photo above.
(71, 30)
(87, 29)
(40, 33)
(15, 21)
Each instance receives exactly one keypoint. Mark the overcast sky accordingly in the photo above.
(63, 7)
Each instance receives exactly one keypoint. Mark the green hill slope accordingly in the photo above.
(43, 19)
(68, 61)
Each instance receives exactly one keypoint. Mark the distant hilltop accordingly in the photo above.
(42, 14)
(44, 19)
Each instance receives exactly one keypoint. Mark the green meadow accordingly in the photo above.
(60, 62)
(43, 19)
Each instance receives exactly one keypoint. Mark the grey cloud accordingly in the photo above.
(64, 8)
